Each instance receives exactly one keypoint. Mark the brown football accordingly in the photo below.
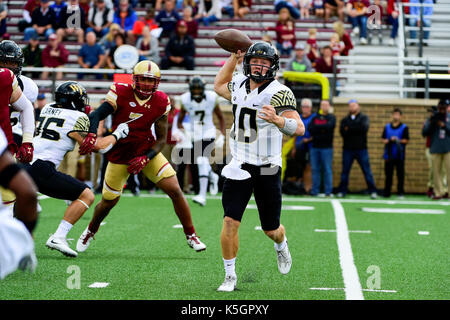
(233, 40)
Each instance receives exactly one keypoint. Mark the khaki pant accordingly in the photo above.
(69, 165)
(440, 161)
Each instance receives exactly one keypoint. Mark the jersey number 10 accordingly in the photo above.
(242, 128)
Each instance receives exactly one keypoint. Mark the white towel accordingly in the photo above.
(233, 171)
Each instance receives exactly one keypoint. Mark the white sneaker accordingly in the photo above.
(39, 208)
(391, 42)
(213, 183)
(373, 195)
(229, 284)
(199, 199)
(355, 31)
(195, 243)
(85, 239)
(61, 245)
(284, 260)
(363, 41)
(28, 263)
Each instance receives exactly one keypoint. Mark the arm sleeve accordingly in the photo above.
(283, 100)
(26, 109)
(99, 114)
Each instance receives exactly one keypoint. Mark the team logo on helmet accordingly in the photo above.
(262, 50)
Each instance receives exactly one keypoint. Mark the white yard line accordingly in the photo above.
(285, 208)
(353, 289)
(404, 210)
(99, 285)
(367, 290)
(351, 231)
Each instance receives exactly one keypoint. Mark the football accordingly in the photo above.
(233, 40)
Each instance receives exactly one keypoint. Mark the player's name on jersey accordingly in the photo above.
(51, 111)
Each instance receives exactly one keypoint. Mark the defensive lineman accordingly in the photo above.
(263, 109)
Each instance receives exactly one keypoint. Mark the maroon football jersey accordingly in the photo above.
(8, 83)
(143, 114)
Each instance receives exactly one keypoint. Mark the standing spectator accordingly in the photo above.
(414, 20)
(393, 12)
(167, 19)
(356, 11)
(148, 46)
(300, 61)
(312, 47)
(58, 6)
(42, 20)
(180, 50)
(292, 5)
(107, 42)
(91, 55)
(338, 26)
(321, 129)
(305, 6)
(437, 127)
(191, 22)
(318, 6)
(285, 30)
(32, 54)
(125, 17)
(395, 137)
(3, 17)
(209, 11)
(41, 101)
(334, 7)
(27, 13)
(353, 129)
(55, 55)
(325, 63)
(73, 22)
(100, 18)
(241, 8)
(148, 20)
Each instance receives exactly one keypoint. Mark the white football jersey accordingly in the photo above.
(31, 91)
(51, 141)
(254, 140)
(201, 115)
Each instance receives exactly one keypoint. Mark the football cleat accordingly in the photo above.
(199, 200)
(195, 243)
(61, 245)
(229, 284)
(85, 239)
(28, 263)
(214, 183)
(284, 260)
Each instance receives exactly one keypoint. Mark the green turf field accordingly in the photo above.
(140, 254)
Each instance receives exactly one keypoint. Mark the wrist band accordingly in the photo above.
(290, 126)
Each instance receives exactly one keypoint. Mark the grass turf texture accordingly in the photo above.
(141, 255)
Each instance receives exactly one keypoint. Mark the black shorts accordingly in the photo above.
(265, 184)
(53, 183)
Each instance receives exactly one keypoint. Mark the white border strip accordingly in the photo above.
(404, 210)
(353, 289)
(367, 290)
(351, 231)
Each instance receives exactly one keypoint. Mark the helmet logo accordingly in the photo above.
(76, 87)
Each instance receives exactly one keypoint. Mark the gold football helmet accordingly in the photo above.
(146, 78)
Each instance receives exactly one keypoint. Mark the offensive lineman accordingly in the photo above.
(143, 106)
(263, 110)
(201, 104)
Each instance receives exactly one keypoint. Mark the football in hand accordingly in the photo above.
(233, 40)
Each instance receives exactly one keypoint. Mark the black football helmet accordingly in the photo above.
(197, 88)
(71, 95)
(263, 50)
(11, 56)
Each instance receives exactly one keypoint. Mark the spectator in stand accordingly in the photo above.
(338, 26)
(415, 21)
(167, 19)
(133, 3)
(191, 22)
(27, 13)
(325, 63)
(73, 22)
(437, 127)
(334, 7)
(58, 6)
(194, 5)
(241, 8)
(32, 54)
(100, 18)
(227, 7)
(125, 17)
(353, 129)
(85, 5)
(336, 45)
(356, 11)
(107, 42)
(376, 23)
(292, 5)
(395, 136)
(42, 21)
(91, 55)
(209, 11)
(3, 17)
(285, 30)
(321, 129)
(148, 20)
(393, 11)
(305, 6)
(180, 50)
(55, 55)
(312, 47)
(318, 7)
(148, 46)
(300, 61)
(119, 40)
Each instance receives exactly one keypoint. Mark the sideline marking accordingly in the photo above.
(404, 210)
(285, 208)
(353, 231)
(367, 290)
(424, 233)
(99, 285)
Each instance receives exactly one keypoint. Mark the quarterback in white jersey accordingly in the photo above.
(263, 109)
(201, 104)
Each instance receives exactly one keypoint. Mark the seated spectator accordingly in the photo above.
(58, 6)
(119, 40)
(376, 10)
(292, 5)
(414, 21)
(180, 50)
(125, 17)
(241, 8)
(3, 17)
(393, 12)
(133, 3)
(227, 7)
(336, 45)
(312, 47)
(85, 5)
(54, 55)
(194, 5)
(325, 63)
(148, 20)
(107, 42)
(334, 7)
(356, 11)
(209, 11)
(73, 22)
(100, 18)
(27, 13)
(91, 55)
(167, 19)
(42, 21)
(338, 26)
(300, 61)
(305, 6)
(148, 46)
(191, 22)
(32, 54)
(285, 30)
(318, 7)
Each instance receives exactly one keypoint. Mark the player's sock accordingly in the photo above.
(280, 246)
(230, 267)
(204, 169)
(189, 230)
(63, 229)
(203, 180)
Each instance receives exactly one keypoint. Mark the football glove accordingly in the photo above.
(121, 131)
(25, 152)
(137, 164)
(88, 144)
